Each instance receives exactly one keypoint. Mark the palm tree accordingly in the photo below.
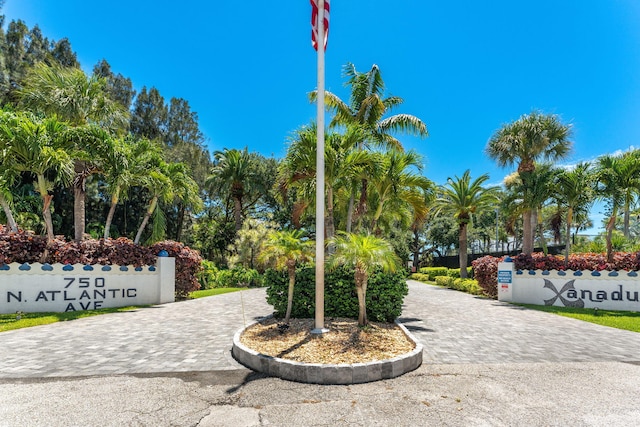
(126, 167)
(343, 164)
(574, 190)
(533, 137)
(233, 170)
(285, 249)
(396, 179)
(365, 110)
(8, 175)
(463, 198)
(364, 253)
(35, 147)
(610, 176)
(71, 96)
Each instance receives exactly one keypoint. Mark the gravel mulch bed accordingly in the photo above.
(344, 343)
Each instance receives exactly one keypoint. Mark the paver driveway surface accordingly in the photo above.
(197, 335)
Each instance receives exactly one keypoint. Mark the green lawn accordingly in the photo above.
(10, 321)
(212, 292)
(629, 320)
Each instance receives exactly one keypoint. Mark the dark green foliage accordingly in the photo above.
(385, 293)
(237, 277)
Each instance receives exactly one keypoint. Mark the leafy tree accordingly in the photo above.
(612, 173)
(68, 94)
(396, 180)
(574, 189)
(36, 147)
(366, 111)
(233, 170)
(149, 115)
(284, 249)
(364, 253)
(533, 137)
(118, 88)
(462, 198)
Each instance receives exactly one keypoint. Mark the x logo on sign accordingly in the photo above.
(568, 286)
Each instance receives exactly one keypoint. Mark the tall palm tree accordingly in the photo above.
(342, 165)
(366, 110)
(71, 96)
(364, 253)
(462, 198)
(396, 178)
(8, 175)
(533, 137)
(36, 147)
(126, 167)
(610, 175)
(284, 249)
(233, 170)
(574, 189)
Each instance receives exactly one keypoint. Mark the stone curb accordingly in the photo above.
(316, 373)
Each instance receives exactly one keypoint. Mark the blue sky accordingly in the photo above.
(464, 68)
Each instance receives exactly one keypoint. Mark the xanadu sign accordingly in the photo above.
(61, 288)
(609, 290)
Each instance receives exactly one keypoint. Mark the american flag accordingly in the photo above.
(314, 23)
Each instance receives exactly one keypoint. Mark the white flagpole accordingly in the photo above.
(319, 325)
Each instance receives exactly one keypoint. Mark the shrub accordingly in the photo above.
(207, 275)
(444, 281)
(23, 246)
(434, 271)
(385, 293)
(238, 276)
(485, 271)
(467, 285)
(420, 277)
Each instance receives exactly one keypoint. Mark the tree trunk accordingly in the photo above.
(567, 248)
(179, 226)
(527, 236)
(610, 226)
(292, 282)
(152, 207)
(543, 242)
(11, 222)
(626, 219)
(112, 211)
(79, 194)
(350, 212)
(361, 291)
(237, 212)
(462, 251)
(330, 225)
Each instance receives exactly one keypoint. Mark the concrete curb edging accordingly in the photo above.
(316, 373)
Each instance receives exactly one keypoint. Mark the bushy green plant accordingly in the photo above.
(420, 277)
(207, 276)
(238, 277)
(445, 281)
(467, 285)
(385, 294)
(433, 272)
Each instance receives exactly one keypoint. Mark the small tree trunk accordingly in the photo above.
(463, 250)
(152, 207)
(79, 209)
(350, 212)
(610, 226)
(292, 282)
(330, 224)
(361, 291)
(237, 212)
(46, 214)
(112, 211)
(11, 222)
(527, 235)
(567, 248)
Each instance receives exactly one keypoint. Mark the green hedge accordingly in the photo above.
(385, 293)
(432, 272)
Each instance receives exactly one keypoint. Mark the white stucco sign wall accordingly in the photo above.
(61, 288)
(608, 290)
